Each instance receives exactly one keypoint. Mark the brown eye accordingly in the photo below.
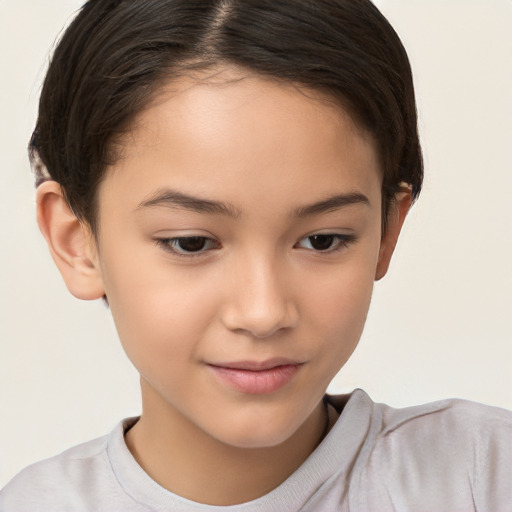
(191, 243)
(188, 245)
(321, 242)
(326, 242)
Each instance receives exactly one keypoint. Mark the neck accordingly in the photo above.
(192, 464)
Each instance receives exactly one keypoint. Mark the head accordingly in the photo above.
(116, 55)
(233, 176)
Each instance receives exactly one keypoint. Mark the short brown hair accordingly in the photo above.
(116, 53)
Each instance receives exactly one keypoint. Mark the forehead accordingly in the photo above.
(235, 130)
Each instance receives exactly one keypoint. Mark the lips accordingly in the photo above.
(256, 377)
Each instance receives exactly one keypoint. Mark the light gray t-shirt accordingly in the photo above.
(448, 456)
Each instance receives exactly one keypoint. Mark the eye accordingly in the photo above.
(188, 245)
(325, 242)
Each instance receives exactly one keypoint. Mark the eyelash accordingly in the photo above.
(343, 241)
(170, 244)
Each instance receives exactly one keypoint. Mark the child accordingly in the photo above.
(231, 177)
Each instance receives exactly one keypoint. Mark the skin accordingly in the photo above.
(258, 290)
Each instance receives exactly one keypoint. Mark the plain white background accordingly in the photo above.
(440, 324)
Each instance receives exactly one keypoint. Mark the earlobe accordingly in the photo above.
(71, 243)
(396, 216)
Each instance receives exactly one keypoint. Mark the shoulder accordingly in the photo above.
(451, 431)
(462, 415)
(451, 450)
(454, 422)
(64, 482)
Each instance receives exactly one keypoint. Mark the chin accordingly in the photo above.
(256, 442)
(256, 436)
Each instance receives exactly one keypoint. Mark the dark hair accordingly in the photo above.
(116, 53)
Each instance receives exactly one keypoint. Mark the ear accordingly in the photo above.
(71, 243)
(397, 212)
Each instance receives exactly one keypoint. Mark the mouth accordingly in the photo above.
(256, 377)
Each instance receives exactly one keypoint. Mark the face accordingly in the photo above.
(239, 238)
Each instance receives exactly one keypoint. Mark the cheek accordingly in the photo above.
(343, 299)
(341, 292)
(342, 319)
(160, 315)
(340, 302)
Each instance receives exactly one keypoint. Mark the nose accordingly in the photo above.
(260, 303)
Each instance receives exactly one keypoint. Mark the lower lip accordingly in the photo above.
(257, 382)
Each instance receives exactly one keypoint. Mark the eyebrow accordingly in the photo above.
(332, 203)
(173, 199)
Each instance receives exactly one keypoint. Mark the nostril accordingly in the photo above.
(258, 300)
(261, 323)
